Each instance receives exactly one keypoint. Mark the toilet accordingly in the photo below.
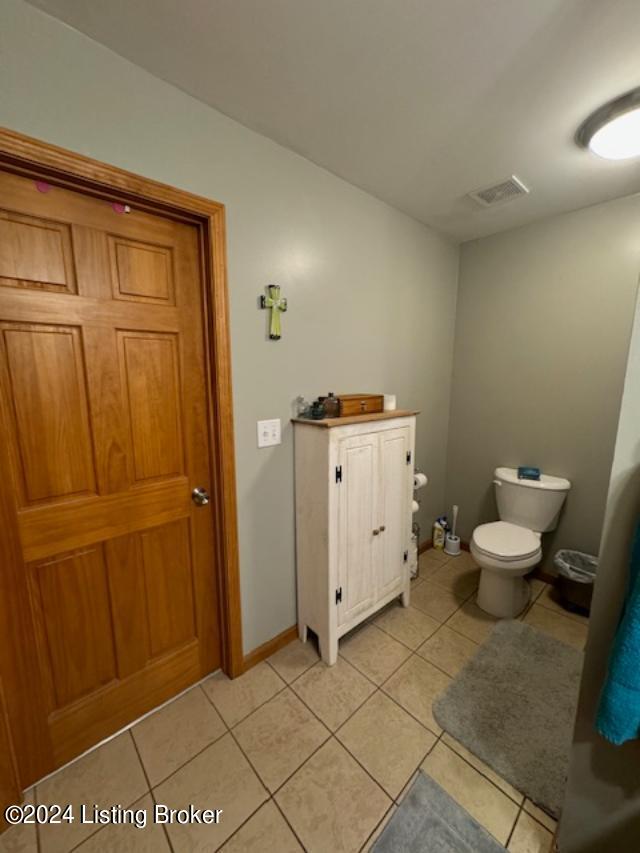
(508, 549)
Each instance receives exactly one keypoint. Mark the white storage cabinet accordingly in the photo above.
(354, 484)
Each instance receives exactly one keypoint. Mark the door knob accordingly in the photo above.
(200, 496)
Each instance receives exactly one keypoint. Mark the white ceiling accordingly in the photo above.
(416, 101)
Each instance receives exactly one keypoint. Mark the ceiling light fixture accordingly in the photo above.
(613, 131)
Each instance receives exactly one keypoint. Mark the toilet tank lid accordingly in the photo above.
(546, 481)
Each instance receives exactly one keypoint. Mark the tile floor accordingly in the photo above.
(305, 757)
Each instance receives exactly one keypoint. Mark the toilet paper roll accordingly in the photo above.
(419, 480)
(389, 402)
(415, 506)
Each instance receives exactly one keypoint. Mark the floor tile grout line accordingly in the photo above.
(230, 730)
(438, 736)
(141, 762)
(403, 793)
(362, 767)
(377, 826)
(412, 779)
(520, 806)
(402, 642)
(400, 705)
(188, 760)
(364, 674)
(346, 720)
(300, 674)
(104, 826)
(422, 642)
(416, 650)
(339, 742)
(513, 828)
(332, 735)
(289, 824)
(414, 654)
(299, 767)
(434, 665)
(551, 817)
(151, 791)
(379, 784)
(258, 777)
(539, 822)
(377, 688)
(484, 775)
(460, 634)
(446, 619)
(580, 621)
(251, 814)
(281, 785)
(393, 672)
(38, 840)
(242, 719)
(100, 828)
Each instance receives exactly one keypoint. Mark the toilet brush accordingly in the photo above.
(452, 542)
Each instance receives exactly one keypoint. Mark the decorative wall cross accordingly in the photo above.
(277, 304)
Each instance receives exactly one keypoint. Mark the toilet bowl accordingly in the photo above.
(505, 553)
(508, 549)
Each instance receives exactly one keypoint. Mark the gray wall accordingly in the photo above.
(602, 805)
(543, 323)
(371, 292)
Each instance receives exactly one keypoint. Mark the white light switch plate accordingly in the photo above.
(269, 433)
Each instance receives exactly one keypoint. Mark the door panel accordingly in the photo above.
(357, 512)
(45, 373)
(149, 365)
(71, 600)
(395, 517)
(102, 377)
(35, 253)
(166, 557)
(141, 272)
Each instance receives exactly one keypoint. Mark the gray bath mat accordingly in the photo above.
(513, 705)
(430, 821)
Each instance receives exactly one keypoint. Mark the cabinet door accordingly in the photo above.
(394, 519)
(357, 511)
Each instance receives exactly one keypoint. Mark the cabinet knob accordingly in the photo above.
(375, 532)
(382, 528)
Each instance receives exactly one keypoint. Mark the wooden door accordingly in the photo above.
(103, 388)
(395, 516)
(10, 793)
(357, 510)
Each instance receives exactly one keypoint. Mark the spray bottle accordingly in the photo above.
(439, 532)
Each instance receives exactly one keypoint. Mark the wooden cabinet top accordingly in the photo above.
(355, 419)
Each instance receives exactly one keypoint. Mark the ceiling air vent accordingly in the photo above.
(500, 193)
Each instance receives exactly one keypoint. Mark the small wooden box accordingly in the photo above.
(360, 404)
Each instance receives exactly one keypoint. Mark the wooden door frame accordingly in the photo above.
(39, 160)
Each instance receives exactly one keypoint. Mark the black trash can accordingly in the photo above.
(576, 574)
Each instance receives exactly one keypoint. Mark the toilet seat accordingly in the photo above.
(503, 541)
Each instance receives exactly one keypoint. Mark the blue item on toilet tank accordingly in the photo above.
(526, 472)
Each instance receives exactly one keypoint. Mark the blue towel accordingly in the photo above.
(618, 718)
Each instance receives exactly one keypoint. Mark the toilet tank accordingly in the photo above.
(534, 504)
